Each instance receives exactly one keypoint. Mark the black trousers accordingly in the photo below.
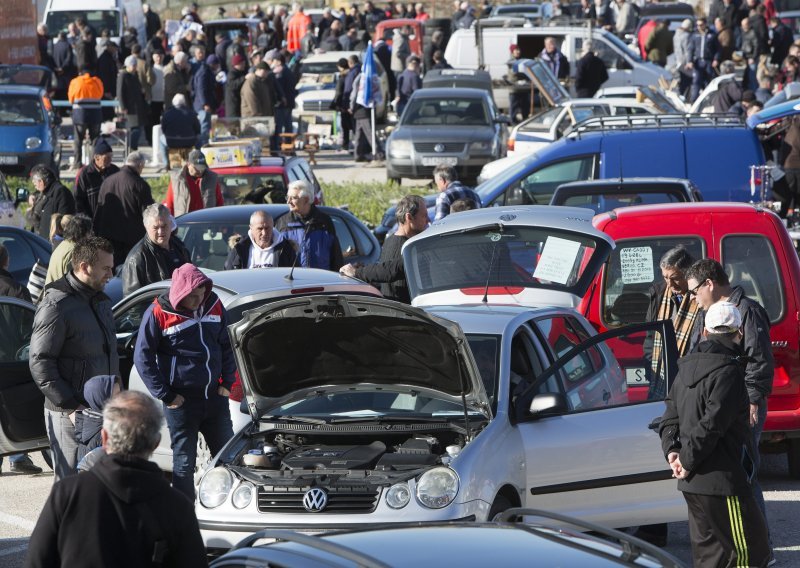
(77, 142)
(727, 531)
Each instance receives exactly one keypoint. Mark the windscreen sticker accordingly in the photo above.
(557, 260)
(637, 265)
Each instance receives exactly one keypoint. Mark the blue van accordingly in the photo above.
(714, 152)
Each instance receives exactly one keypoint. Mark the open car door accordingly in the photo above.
(22, 426)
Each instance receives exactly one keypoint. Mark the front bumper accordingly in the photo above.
(20, 163)
(468, 167)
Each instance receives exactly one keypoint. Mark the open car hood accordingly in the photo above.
(301, 347)
(29, 75)
(531, 256)
(782, 110)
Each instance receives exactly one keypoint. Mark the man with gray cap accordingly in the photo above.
(680, 45)
(132, 104)
(193, 187)
(705, 437)
(91, 177)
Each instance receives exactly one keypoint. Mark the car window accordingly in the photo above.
(129, 319)
(542, 121)
(252, 188)
(20, 110)
(625, 110)
(605, 199)
(562, 334)
(365, 244)
(20, 252)
(537, 188)
(631, 270)
(209, 243)
(486, 352)
(441, 112)
(59, 21)
(750, 262)
(345, 237)
(17, 323)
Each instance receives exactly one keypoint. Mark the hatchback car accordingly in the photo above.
(266, 180)
(757, 253)
(456, 127)
(28, 124)
(206, 233)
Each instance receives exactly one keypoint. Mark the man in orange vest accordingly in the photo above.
(296, 29)
(85, 92)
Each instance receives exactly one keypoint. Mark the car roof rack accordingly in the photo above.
(660, 121)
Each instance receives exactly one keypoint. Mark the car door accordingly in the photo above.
(22, 426)
(595, 455)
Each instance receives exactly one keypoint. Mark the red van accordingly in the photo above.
(757, 253)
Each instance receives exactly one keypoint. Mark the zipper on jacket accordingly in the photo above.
(208, 352)
(172, 370)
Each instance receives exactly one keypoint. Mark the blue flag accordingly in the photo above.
(366, 87)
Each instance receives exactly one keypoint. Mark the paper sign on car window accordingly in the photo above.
(637, 265)
(557, 260)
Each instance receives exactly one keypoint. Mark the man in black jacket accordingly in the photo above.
(706, 440)
(122, 512)
(389, 272)
(158, 253)
(72, 341)
(233, 87)
(91, 177)
(263, 247)
(52, 198)
(120, 204)
(590, 73)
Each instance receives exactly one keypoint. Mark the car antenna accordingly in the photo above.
(290, 276)
(489, 274)
(620, 165)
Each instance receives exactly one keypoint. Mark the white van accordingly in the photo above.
(624, 66)
(115, 15)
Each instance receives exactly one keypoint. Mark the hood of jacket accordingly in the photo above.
(185, 279)
(709, 356)
(97, 391)
(131, 480)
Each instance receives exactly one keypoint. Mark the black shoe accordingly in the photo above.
(659, 540)
(25, 466)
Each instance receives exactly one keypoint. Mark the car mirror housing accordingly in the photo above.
(548, 404)
(502, 119)
(22, 196)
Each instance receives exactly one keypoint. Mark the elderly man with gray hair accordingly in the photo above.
(120, 495)
(264, 246)
(122, 199)
(157, 255)
(311, 229)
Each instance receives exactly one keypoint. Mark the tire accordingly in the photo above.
(500, 504)
(793, 455)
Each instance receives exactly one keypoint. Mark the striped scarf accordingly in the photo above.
(683, 322)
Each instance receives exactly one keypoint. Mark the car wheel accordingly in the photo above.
(396, 181)
(500, 504)
(793, 454)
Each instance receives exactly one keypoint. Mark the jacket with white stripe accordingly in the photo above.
(179, 352)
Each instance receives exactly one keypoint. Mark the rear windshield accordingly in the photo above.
(456, 112)
(252, 188)
(632, 269)
(98, 19)
(21, 110)
(601, 200)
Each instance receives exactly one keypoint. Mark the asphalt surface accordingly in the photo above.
(23, 496)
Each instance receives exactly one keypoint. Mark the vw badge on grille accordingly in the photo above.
(439, 148)
(315, 500)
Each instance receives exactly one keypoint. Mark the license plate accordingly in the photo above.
(9, 160)
(636, 377)
(436, 160)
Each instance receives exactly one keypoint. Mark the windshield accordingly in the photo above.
(208, 243)
(238, 189)
(542, 121)
(455, 112)
(514, 257)
(98, 19)
(319, 67)
(21, 110)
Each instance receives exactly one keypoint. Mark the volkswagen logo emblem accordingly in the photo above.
(315, 500)
(507, 217)
(439, 148)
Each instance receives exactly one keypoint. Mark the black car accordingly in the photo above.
(206, 233)
(24, 249)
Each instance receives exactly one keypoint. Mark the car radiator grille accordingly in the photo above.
(355, 499)
(316, 106)
(448, 146)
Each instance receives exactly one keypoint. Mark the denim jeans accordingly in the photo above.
(758, 494)
(210, 417)
(61, 433)
(205, 127)
(16, 458)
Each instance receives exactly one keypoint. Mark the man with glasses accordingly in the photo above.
(709, 284)
(311, 229)
(703, 57)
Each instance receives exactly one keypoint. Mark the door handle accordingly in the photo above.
(654, 424)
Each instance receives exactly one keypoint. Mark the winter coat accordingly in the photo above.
(703, 47)
(659, 45)
(85, 93)
(203, 88)
(782, 39)
(89, 421)
(680, 46)
(239, 255)
(407, 82)
(54, 199)
(389, 272)
(12, 288)
(557, 62)
(316, 237)
(14, 323)
(181, 198)
(180, 352)
(60, 261)
(728, 93)
(233, 89)
(750, 47)
(706, 420)
(129, 505)
(257, 97)
(73, 340)
(285, 87)
(180, 127)
(401, 50)
(107, 71)
(87, 187)
(176, 81)
(590, 74)
(147, 263)
(123, 197)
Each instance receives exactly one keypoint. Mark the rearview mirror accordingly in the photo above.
(548, 404)
(22, 196)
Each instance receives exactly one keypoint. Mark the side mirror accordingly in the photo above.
(623, 64)
(502, 119)
(548, 404)
(22, 196)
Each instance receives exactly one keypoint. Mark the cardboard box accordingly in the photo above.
(232, 153)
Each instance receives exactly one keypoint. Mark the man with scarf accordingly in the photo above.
(556, 61)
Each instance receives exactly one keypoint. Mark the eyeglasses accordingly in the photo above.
(693, 291)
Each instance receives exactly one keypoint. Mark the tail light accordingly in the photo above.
(237, 394)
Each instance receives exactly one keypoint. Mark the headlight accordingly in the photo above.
(214, 487)
(400, 148)
(398, 496)
(33, 142)
(480, 147)
(242, 495)
(437, 487)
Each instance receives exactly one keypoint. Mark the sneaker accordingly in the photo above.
(25, 466)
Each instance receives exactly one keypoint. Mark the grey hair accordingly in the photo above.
(409, 205)
(726, 67)
(445, 173)
(302, 186)
(678, 258)
(132, 420)
(155, 211)
(42, 172)
(179, 100)
(136, 159)
(260, 213)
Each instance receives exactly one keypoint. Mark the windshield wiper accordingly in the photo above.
(300, 419)
(383, 419)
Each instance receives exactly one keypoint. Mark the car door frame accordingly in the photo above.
(623, 487)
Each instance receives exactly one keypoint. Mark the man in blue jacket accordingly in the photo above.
(204, 99)
(184, 356)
